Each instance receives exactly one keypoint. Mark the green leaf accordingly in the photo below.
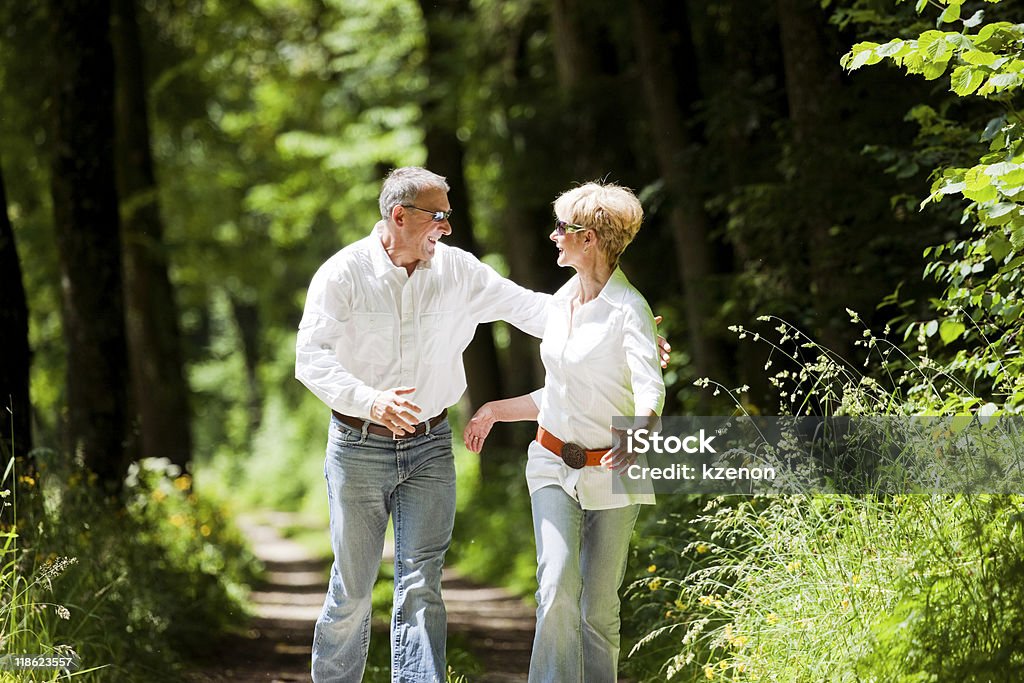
(993, 127)
(975, 19)
(950, 330)
(1000, 169)
(892, 48)
(985, 194)
(860, 55)
(921, 4)
(931, 328)
(998, 247)
(1017, 240)
(965, 80)
(978, 57)
(950, 14)
(934, 70)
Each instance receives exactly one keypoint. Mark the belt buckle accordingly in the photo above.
(574, 455)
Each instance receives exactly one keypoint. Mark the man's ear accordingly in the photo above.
(398, 214)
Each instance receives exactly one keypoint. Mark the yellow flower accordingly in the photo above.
(855, 579)
(205, 530)
(772, 618)
(680, 605)
(739, 641)
(702, 548)
(794, 565)
(845, 603)
(706, 600)
(159, 496)
(723, 665)
(27, 480)
(654, 584)
(183, 483)
(653, 568)
(177, 520)
(709, 672)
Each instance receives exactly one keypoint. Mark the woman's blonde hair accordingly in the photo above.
(613, 212)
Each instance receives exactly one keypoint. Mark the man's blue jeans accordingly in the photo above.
(370, 477)
(581, 561)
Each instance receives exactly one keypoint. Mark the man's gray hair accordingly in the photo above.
(403, 185)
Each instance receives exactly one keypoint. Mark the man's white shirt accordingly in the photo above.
(369, 326)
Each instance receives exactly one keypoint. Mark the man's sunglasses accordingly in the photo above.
(436, 216)
(562, 227)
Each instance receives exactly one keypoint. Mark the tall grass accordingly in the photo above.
(830, 587)
(129, 589)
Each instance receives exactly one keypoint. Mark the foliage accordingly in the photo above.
(829, 587)
(979, 312)
(127, 590)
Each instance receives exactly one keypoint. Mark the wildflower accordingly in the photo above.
(205, 530)
(27, 480)
(183, 483)
(159, 496)
(855, 579)
(653, 568)
(63, 612)
(739, 641)
(655, 584)
(794, 565)
(55, 568)
(177, 520)
(723, 665)
(845, 603)
(680, 605)
(705, 600)
(772, 618)
(702, 548)
(709, 672)
(668, 614)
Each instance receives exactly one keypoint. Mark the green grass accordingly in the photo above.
(130, 588)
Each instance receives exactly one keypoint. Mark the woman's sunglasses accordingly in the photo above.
(562, 227)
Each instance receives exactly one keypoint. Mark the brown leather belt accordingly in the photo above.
(381, 430)
(574, 455)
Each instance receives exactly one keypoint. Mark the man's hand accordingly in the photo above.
(663, 346)
(394, 412)
(478, 428)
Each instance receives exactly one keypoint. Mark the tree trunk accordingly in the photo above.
(688, 220)
(88, 236)
(812, 79)
(15, 356)
(247, 317)
(445, 156)
(159, 388)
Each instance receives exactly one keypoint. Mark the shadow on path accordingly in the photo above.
(493, 624)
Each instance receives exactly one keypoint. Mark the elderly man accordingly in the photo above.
(381, 340)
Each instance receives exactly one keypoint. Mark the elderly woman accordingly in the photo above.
(601, 360)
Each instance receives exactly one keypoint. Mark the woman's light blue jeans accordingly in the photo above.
(370, 478)
(581, 561)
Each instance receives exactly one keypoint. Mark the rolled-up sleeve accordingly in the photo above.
(640, 344)
(317, 363)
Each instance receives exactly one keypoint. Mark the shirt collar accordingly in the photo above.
(611, 293)
(382, 263)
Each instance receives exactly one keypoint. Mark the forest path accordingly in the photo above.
(493, 625)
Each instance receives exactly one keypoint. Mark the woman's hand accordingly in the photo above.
(478, 428)
(618, 458)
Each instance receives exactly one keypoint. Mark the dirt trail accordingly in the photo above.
(493, 624)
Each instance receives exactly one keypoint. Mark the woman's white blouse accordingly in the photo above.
(600, 362)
